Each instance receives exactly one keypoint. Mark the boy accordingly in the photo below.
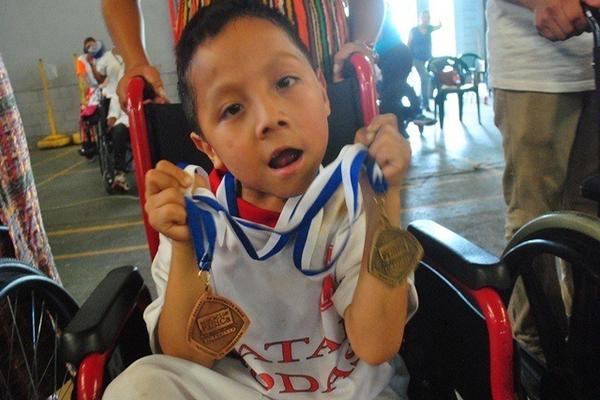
(260, 110)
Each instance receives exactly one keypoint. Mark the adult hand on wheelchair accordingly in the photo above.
(165, 205)
(387, 147)
(151, 75)
(345, 52)
(559, 19)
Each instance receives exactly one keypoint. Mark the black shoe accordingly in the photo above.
(423, 120)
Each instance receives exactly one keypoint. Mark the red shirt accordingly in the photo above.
(246, 210)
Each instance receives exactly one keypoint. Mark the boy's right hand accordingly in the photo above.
(165, 205)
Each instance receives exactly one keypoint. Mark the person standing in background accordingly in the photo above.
(111, 69)
(419, 42)
(543, 108)
(321, 24)
(19, 206)
(84, 64)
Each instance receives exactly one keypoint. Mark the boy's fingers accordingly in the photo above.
(380, 121)
(387, 146)
(168, 214)
(168, 196)
(170, 220)
(179, 174)
(157, 181)
(179, 233)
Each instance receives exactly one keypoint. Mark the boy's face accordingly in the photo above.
(262, 110)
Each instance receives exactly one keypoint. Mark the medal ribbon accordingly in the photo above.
(296, 217)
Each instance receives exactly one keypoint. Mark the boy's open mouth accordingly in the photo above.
(284, 158)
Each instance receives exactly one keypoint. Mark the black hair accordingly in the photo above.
(208, 23)
(86, 40)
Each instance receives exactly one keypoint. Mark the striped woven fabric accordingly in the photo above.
(19, 207)
(321, 24)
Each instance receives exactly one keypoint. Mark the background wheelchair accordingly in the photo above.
(96, 140)
(458, 342)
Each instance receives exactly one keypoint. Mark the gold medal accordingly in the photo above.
(216, 324)
(395, 252)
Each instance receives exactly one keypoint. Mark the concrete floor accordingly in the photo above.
(455, 180)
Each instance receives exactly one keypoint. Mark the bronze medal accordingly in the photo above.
(216, 324)
(395, 252)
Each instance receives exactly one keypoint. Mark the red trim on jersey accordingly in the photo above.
(246, 210)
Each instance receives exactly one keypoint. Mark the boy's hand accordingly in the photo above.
(387, 147)
(165, 185)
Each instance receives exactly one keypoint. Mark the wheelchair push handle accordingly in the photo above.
(593, 16)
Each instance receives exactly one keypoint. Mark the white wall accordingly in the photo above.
(54, 30)
(470, 31)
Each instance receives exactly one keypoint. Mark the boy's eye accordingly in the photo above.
(286, 82)
(231, 110)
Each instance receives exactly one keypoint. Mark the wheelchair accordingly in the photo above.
(96, 140)
(89, 119)
(459, 343)
(34, 311)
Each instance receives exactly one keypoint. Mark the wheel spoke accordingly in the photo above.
(39, 328)
(21, 345)
(11, 348)
(4, 381)
(53, 358)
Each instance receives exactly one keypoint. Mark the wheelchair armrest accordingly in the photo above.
(455, 255)
(98, 323)
(590, 189)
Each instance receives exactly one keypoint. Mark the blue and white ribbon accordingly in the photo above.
(296, 217)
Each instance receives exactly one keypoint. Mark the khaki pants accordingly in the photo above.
(550, 145)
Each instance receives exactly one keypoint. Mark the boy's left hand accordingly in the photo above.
(387, 147)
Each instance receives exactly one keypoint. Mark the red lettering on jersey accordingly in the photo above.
(334, 375)
(325, 344)
(248, 350)
(351, 354)
(289, 387)
(265, 380)
(326, 292)
(286, 348)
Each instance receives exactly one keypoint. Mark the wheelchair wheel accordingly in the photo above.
(107, 181)
(106, 157)
(12, 266)
(89, 147)
(107, 163)
(33, 312)
(568, 326)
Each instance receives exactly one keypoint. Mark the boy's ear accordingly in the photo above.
(323, 83)
(207, 149)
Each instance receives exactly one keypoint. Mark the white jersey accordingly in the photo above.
(296, 346)
(115, 111)
(110, 65)
(521, 59)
